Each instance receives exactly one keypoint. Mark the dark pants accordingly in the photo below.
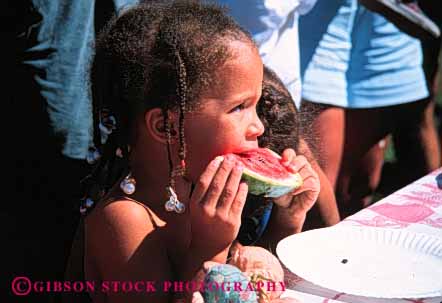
(37, 223)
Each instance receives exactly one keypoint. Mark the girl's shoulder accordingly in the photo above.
(124, 214)
(120, 235)
(121, 225)
(124, 208)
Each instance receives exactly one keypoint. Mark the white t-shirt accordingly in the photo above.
(274, 27)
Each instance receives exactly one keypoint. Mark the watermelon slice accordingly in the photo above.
(265, 175)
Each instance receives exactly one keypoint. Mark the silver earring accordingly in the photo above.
(87, 204)
(128, 185)
(173, 204)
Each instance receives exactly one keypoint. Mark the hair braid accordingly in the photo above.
(182, 94)
(169, 151)
(172, 43)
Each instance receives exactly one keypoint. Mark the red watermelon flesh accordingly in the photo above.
(265, 175)
(264, 161)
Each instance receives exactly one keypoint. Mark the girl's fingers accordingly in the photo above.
(287, 156)
(231, 189)
(310, 183)
(239, 201)
(205, 180)
(218, 183)
(307, 171)
(298, 163)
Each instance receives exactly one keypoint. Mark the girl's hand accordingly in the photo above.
(302, 199)
(216, 206)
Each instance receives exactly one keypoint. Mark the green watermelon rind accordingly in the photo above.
(270, 187)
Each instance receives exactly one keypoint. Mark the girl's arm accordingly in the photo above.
(326, 205)
(282, 223)
(215, 210)
(289, 219)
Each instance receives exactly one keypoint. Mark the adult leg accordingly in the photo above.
(416, 142)
(416, 139)
(431, 50)
(365, 133)
(428, 151)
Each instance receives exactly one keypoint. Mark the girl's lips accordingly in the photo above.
(245, 150)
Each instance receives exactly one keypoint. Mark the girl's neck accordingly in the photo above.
(150, 168)
(151, 188)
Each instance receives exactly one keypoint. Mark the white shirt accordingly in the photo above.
(273, 25)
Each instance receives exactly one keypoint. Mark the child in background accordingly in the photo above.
(285, 127)
(277, 111)
(181, 81)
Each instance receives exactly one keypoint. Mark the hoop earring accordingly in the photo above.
(128, 185)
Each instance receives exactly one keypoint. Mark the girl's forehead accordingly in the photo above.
(241, 75)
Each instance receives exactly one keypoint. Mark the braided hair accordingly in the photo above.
(159, 54)
(284, 125)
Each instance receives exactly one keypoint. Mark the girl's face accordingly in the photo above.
(226, 120)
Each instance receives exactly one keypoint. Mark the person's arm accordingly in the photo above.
(289, 211)
(282, 223)
(325, 211)
(285, 221)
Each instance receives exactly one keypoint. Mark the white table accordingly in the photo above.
(416, 207)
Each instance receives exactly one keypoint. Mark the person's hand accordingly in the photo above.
(216, 205)
(302, 199)
(197, 297)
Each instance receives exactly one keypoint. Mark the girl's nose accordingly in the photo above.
(256, 128)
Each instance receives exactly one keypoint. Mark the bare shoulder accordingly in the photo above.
(124, 241)
(123, 216)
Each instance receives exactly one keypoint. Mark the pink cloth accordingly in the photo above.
(416, 208)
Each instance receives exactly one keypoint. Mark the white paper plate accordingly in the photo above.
(366, 261)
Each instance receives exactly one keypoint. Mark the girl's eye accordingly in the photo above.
(238, 108)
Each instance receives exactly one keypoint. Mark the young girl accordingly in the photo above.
(179, 84)
(285, 127)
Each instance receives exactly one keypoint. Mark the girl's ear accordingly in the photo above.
(154, 123)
